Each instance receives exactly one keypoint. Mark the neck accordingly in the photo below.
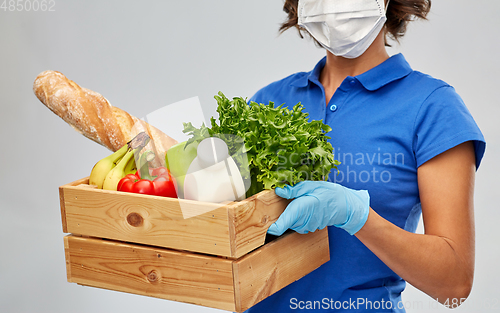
(338, 68)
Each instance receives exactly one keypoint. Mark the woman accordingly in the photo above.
(408, 147)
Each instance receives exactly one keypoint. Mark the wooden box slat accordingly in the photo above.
(155, 272)
(230, 230)
(277, 264)
(227, 284)
(249, 220)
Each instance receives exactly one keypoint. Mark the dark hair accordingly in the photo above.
(399, 14)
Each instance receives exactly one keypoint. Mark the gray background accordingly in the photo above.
(143, 55)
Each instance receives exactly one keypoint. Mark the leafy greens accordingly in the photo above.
(282, 146)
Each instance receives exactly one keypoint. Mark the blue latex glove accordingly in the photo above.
(318, 204)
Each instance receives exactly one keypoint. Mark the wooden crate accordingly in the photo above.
(217, 258)
(230, 230)
(227, 284)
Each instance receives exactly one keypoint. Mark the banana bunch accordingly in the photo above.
(109, 171)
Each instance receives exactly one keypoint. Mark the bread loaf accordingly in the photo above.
(93, 116)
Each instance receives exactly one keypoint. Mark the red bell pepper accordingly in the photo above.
(156, 182)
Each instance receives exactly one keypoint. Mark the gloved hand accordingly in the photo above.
(318, 204)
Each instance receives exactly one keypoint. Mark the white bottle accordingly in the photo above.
(213, 176)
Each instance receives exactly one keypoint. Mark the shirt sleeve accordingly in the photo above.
(442, 123)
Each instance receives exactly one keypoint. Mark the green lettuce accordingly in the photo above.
(282, 146)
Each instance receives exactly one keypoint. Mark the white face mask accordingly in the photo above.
(344, 27)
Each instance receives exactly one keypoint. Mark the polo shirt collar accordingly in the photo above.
(313, 76)
(392, 69)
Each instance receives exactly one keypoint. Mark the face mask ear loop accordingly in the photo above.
(387, 5)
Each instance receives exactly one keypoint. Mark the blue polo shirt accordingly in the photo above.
(385, 123)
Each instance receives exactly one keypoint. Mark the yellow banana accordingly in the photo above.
(118, 172)
(104, 166)
(130, 168)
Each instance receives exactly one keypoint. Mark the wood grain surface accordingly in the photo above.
(278, 264)
(217, 282)
(145, 219)
(228, 229)
(155, 272)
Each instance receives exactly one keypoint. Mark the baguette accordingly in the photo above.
(93, 116)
